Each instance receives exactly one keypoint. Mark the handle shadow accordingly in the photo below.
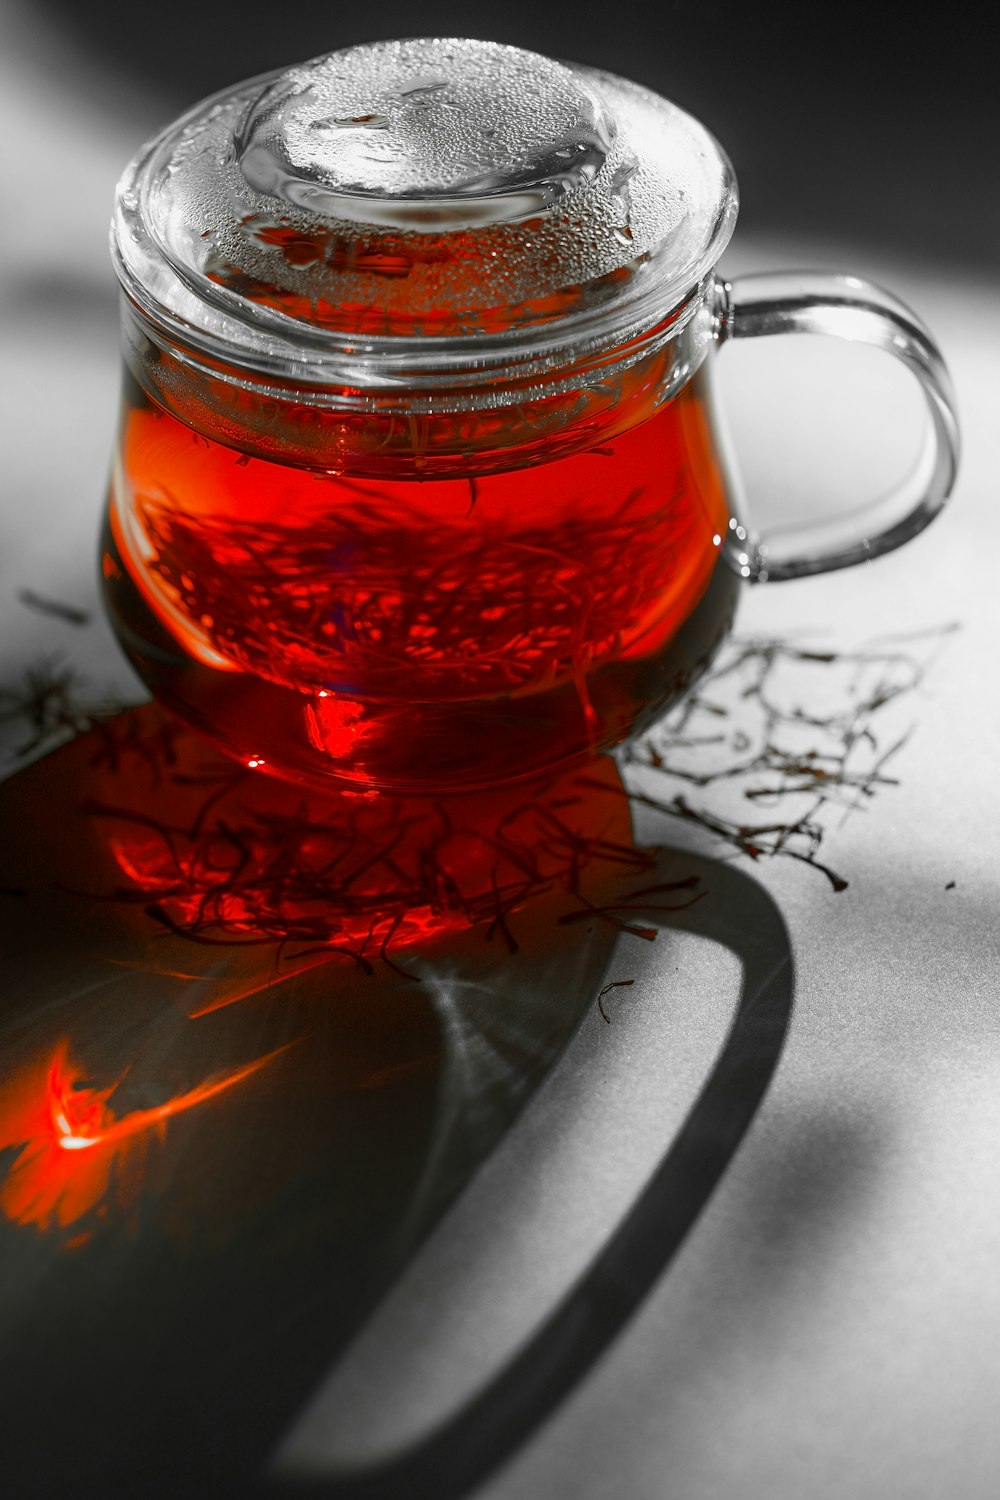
(452, 1459)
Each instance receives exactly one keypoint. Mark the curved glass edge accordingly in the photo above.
(216, 322)
(684, 335)
(846, 307)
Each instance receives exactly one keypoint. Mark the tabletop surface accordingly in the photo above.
(826, 1323)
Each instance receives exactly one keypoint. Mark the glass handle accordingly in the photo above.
(806, 302)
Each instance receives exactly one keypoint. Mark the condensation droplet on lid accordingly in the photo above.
(352, 122)
(484, 146)
(422, 86)
(556, 177)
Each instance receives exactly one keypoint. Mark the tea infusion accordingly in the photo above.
(414, 631)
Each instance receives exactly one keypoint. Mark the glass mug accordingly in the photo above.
(418, 486)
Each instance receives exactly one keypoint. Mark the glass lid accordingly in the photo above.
(464, 194)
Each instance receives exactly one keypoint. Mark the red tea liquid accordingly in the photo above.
(426, 630)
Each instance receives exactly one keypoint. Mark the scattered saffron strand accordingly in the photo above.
(55, 607)
(616, 984)
(760, 760)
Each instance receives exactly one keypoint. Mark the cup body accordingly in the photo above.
(417, 486)
(421, 591)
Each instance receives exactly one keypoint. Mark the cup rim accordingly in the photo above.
(216, 322)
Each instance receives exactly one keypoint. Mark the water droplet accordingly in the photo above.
(429, 85)
(352, 122)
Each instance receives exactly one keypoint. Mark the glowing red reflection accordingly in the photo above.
(232, 860)
(77, 1155)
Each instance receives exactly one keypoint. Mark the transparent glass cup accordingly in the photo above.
(423, 558)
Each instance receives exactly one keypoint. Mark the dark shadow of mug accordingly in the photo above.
(451, 1460)
(209, 1174)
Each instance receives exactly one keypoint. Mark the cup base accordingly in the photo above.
(325, 740)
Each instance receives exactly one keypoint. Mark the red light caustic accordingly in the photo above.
(76, 1154)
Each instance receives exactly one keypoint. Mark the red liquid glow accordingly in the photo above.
(417, 633)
